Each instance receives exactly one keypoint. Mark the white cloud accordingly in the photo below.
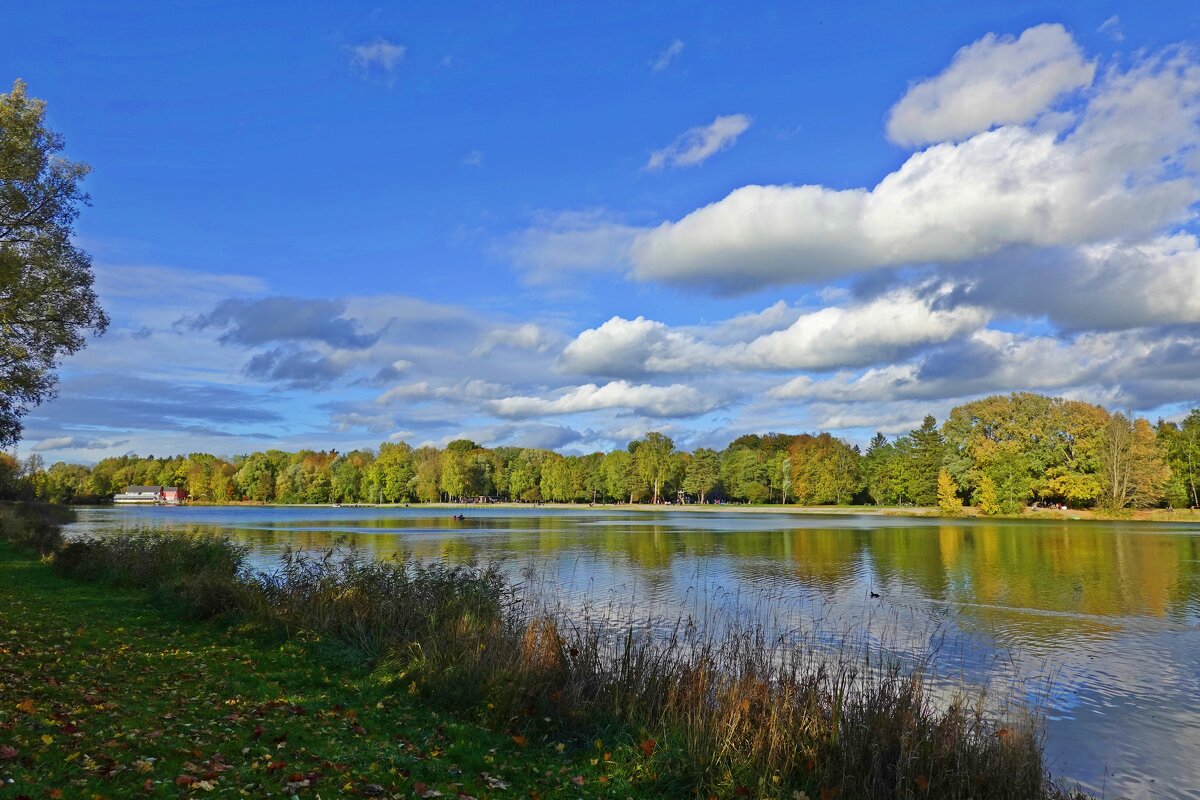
(998, 80)
(626, 347)
(696, 145)
(375, 423)
(1132, 368)
(528, 336)
(69, 443)
(1112, 26)
(676, 400)
(884, 328)
(469, 389)
(880, 330)
(572, 242)
(473, 159)
(378, 58)
(1111, 177)
(664, 59)
(1105, 286)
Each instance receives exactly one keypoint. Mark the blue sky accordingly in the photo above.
(330, 225)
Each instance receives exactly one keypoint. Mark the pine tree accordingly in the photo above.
(928, 451)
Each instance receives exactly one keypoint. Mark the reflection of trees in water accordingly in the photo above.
(1098, 570)
(1095, 570)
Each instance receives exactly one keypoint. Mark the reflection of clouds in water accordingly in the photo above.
(1096, 623)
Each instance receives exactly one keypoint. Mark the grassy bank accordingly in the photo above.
(103, 695)
(579, 706)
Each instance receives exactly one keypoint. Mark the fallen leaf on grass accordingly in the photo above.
(7, 752)
(493, 782)
(185, 780)
(519, 740)
(25, 706)
(647, 746)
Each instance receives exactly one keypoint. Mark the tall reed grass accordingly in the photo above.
(732, 712)
(37, 526)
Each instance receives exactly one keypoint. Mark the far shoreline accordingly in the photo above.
(915, 512)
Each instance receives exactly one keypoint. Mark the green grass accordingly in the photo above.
(104, 695)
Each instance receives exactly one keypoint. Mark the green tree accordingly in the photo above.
(928, 451)
(620, 478)
(702, 473)
(652, 456)
(1180, 444)
(390, 475)
(884, 470)
(455, 479)
(47, 304)
(255, 478)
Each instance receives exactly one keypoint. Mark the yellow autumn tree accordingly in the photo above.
(989, 503)
(947, 493)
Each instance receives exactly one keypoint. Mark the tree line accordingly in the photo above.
(1000, 454)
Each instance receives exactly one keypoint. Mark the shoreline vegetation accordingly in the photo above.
(920, 512)
(508, 695)
(1001, 456)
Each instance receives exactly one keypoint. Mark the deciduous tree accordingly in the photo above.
(47, 304)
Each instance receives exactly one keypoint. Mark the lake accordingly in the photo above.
(1098, 623)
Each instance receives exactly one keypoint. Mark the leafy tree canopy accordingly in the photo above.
(47, 304)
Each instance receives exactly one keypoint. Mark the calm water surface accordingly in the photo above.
(1098, 623)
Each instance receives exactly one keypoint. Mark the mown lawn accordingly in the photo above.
(103, 695)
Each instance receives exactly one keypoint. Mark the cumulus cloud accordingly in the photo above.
(632, 347)
(664, 59)
(696, 145)
(378, 58)
(884, 328)
(998, 80)
(676, 400)
(1108, 176)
